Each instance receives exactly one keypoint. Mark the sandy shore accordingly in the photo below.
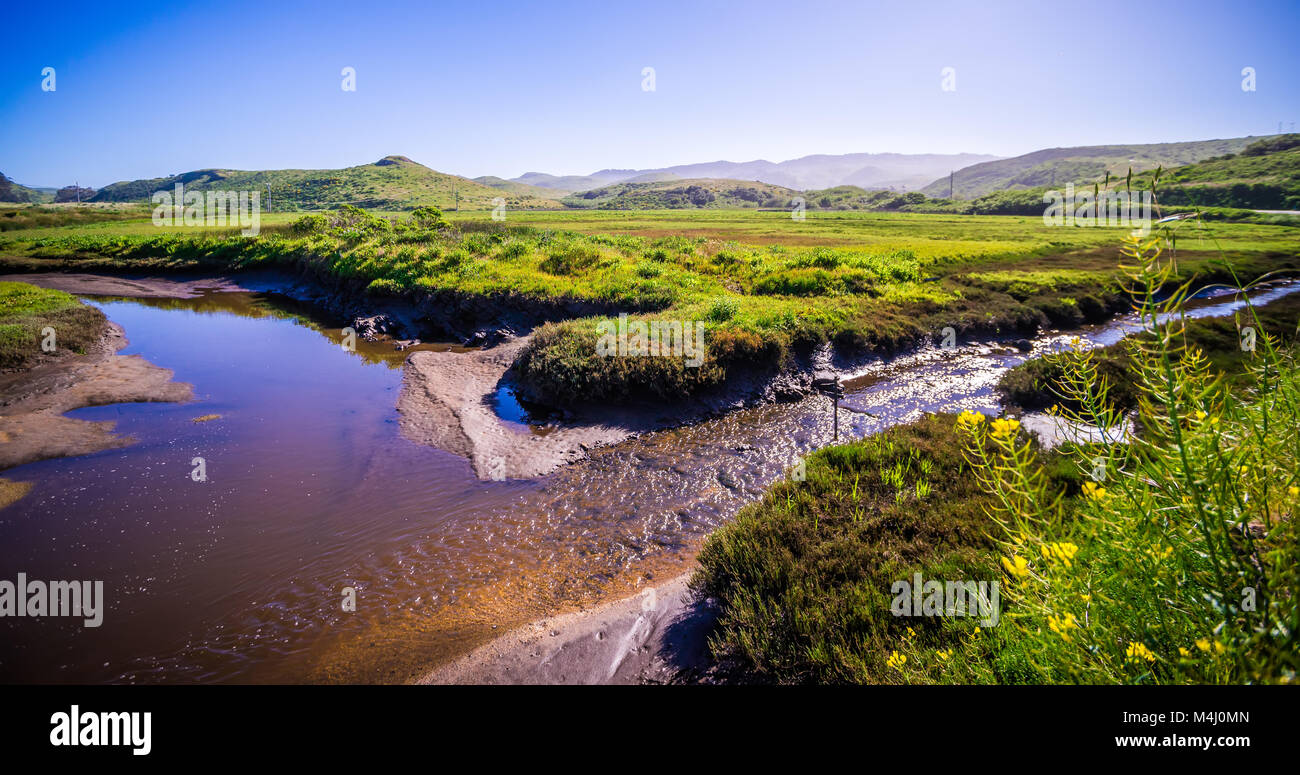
(657, 636)
(33, 402)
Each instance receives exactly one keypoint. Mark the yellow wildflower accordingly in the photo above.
(1005, 428)
(1203, 644)
(1094, 491)
(1136, 651)
(1293, 490)
(944, 656)
(1017, 566)
(969, 420)
(1062, 552)
(1184, 653)
(1061, 625)
(896, 661)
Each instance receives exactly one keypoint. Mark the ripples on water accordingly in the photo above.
(312, 489)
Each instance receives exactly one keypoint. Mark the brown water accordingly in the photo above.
(311, 488)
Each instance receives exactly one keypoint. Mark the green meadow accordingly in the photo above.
(768, 287)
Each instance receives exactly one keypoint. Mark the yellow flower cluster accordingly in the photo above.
(1017, 566)
(1061, 625)
(1136, 651)
(1204, 644)
(944, 656)
(969, 420)
(1062, 552)
(1094, 491)
(1005, 428)
(896, 661)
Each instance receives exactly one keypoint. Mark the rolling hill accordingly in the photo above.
(393, 182)
(710, 193)
(19, 194)
(1054, 167)
(864, 170)
(1265, 175)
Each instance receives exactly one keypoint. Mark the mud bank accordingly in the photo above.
(133, 286)
(657, 636)
(33, 402)
(447, 402)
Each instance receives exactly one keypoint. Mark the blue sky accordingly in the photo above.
(500, 88)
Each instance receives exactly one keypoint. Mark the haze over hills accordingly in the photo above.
(393, 182)
(865, 170)
(1082, 164)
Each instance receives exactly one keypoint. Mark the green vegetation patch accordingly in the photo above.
(27, 311)
(804, 577)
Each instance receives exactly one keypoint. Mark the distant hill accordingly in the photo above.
(393, 182)
(1054, 167)
(571, 183)
(519, 189)
(899, 171)
(1265, 175)
(19, 194)
(683, 194)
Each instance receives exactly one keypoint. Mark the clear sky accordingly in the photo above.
(502, 87)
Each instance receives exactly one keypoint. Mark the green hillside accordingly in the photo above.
(711, 193)
(1054, 167)
(1264, 176)
(392, 183)
(13, 192)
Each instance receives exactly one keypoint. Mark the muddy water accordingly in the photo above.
(311, 489)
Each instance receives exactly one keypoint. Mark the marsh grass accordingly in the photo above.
(1165, 556)
(26, 310)
(1179, 565)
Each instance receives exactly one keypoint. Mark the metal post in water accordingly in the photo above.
(829, 385)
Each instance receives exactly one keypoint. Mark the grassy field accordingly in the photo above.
(766, 286)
